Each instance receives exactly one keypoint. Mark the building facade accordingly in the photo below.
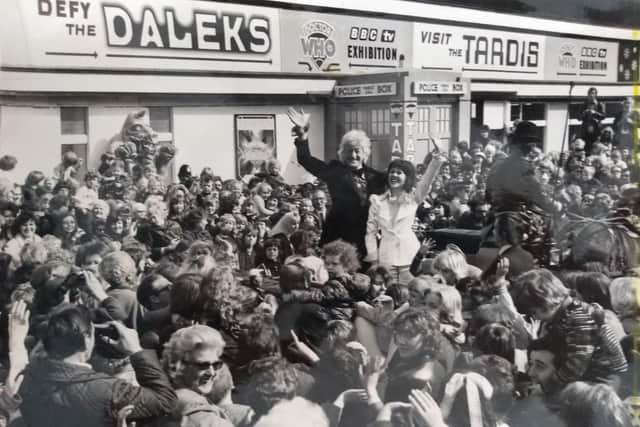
(413, 76)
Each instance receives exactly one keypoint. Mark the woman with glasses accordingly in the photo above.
(192, 361)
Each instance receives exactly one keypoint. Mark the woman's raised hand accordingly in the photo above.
(18, 327)
(18, 356)
(426, 412)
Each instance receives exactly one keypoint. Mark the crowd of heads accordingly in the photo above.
(227, 281)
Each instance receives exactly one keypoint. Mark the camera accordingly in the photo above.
(106, 331)
(75, 280)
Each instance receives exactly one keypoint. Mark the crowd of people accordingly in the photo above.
(252, 302)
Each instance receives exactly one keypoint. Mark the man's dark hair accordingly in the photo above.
(89, 249)
(272, 383)
(186, 296)
(67, 329)
(546, 343)
(146, 289)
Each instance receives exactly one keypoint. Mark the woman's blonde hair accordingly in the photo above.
(451, 302)
(452, 259)
(260, 187)
(625, 296)
(184, 342)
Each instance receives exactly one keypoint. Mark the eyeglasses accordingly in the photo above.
(202, 366)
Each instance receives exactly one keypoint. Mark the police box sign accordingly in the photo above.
(372, 89)
(143, 34)
(438, 88)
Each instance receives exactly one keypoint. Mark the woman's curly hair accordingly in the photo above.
(416, 321)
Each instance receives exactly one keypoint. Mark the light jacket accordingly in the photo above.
(398, 242)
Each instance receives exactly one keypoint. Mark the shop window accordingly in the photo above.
(161, 122)
(74, 135)
(612, 108)
(534, 112)
(531, 111)
(354, 119)
(443, 121)
(516, 112)
(575, 110)
(73, 120)
(380, 122)
(423, 115)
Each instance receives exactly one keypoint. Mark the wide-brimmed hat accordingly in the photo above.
(525, 133)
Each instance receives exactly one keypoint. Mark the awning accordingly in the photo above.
(18, 81)
(546, 90)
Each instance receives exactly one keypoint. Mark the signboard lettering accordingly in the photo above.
(324, 43)
(207, 31)
(373, 89)
(478, 52)
(438, 88)
(174, 35)
(580, 60)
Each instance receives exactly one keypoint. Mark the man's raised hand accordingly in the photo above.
(300, 121)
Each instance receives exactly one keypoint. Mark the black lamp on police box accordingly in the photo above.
(396, 109)
(411, 109)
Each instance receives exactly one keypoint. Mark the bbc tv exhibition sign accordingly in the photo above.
(135, 34)
(478, 52)
(580, 60)
(324, 43)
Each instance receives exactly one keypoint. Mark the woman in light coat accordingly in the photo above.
(390, 239)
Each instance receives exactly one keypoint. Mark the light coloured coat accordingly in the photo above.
(398, 241)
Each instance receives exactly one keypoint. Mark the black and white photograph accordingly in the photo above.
(319, 213)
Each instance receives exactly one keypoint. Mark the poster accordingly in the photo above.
(325, 43)
(255, 142)
(478, 52)
(186, 35)
(580, 60)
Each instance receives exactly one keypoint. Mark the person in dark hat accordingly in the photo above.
(512, 187)
(8, 163)
(511, 182)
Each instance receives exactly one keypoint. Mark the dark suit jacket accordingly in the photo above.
(347, 218)
(520, 261)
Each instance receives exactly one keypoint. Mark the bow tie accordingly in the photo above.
(358, 172)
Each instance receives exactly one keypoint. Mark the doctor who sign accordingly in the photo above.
(325, 43)
(136, 34)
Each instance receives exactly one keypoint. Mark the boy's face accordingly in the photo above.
(227, 226)
(92, 263)
(306, 206)
(272, 204)
(207, 187)
(334, 266)
(93, 183)
(272, 253)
